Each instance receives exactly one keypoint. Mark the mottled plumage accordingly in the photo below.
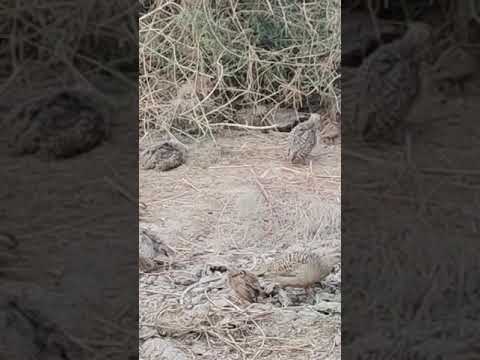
(59, 125)
(330, 129)
(301, 269)
(387, 83)
(164, 156)
(302, 139)
(146, 264)
(153, 253)
(245, 285)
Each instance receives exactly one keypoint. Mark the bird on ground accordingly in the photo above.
(300, 269)
(59, 125)
(245, 285)
(164, 156)
(387, 83)
(302, 139)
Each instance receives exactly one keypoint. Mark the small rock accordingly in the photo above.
(328, 307)
(184, 280)
(146, 332)
(284, 317)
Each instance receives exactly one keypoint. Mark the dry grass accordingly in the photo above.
(202, 61)
(52, 44)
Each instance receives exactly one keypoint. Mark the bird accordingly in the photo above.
(454, 67)
(153, 253)
(245, 285)
(302, 139)
(330, 129)
(300, 269)
(164, 156)
(387, 83)
(59, 125)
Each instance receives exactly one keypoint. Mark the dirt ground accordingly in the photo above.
(237, 202)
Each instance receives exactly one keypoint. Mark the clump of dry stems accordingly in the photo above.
(54, 43)
(234, 55)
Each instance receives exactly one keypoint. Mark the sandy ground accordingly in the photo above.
(237, 202)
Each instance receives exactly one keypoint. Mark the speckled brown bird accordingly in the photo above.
(330, 131)
(387, 84)
(153, 253)
(302, 139)
(245, 285)
(166, 155)
(146, 264)
(300, 269)
(59, 125)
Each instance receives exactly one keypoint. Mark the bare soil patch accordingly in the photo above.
(236, 202)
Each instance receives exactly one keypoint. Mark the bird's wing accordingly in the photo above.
(378, 78)
(293, 271)
(307, 136)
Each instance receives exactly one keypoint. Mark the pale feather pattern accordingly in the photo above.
(146, 264)
(300, 268)
(387, 83)
(166, 155)
(60, 125)
(302, 139)
(245, 285)
(330, 129)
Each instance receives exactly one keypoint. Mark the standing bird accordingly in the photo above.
(302, 139)
(300, 269)
(245, 285)
(387, 84)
